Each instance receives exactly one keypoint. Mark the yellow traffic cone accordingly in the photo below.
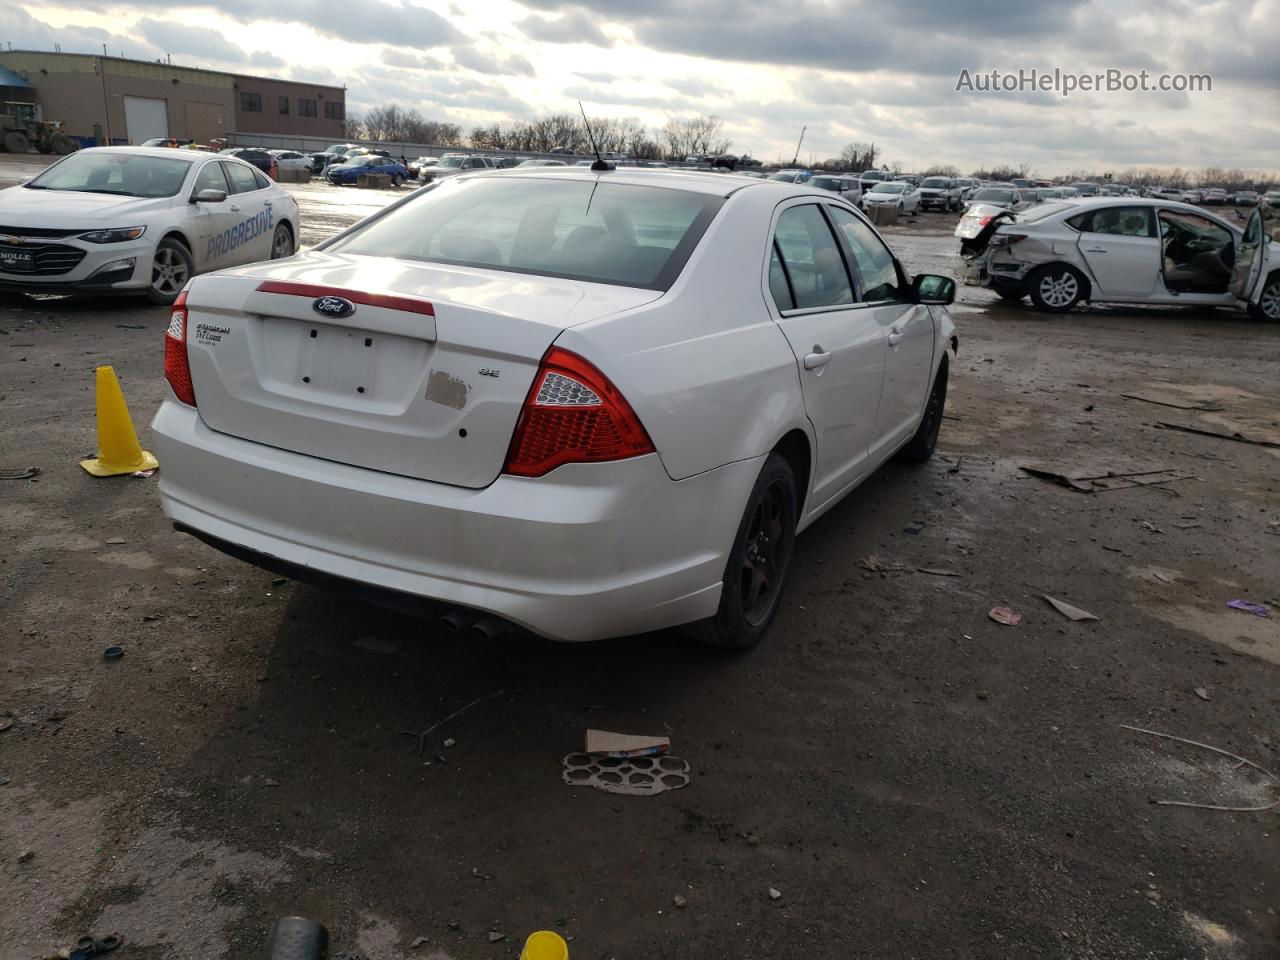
(545, 945)
(118, 449)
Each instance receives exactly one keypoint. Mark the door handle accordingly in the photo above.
(895, 338)
(816, 359)
(235, 209)
(1095, 250)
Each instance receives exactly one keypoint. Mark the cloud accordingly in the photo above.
(197, 41)
(394, 57)
(25, 32)
(577, 26)
(268, 61)
(491, 63)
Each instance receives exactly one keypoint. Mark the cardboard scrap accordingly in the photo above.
(1067, 610)
(1095, 478)
(602, 743)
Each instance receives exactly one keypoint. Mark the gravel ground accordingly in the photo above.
(915, 779)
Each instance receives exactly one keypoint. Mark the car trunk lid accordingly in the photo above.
(414, 369)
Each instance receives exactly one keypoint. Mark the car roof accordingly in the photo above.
(692, 181)
(150, 152)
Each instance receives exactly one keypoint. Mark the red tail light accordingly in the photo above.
(573, 414)
(176, 368)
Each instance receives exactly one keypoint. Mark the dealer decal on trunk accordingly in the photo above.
(223, 243)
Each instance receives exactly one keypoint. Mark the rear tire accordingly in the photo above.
(396, 180)
(171, 268)
(15, 141)
(921, 446)
(1056, 288)
(282, 242)
(758, 563)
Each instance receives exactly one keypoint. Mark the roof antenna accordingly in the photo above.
(601, 163)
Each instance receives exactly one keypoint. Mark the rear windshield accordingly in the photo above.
(995, 196)
(614, 233)
(1045, 210)
(129, 175)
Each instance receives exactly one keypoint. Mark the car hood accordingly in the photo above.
(23, 207)
(884, 197)
(933, 189)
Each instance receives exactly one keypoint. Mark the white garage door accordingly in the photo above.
(145, 118)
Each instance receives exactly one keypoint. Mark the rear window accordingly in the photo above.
(601, 232)
(1044, 210)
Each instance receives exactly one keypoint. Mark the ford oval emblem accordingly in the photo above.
(336, 307)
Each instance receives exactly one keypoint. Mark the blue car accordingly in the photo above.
(349, 170)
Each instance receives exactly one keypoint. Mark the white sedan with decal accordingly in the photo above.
(139, 220)
(592, 403)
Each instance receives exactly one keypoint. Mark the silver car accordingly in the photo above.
(1124, 250)
(847, 186)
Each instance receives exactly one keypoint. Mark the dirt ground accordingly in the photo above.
(916, 780)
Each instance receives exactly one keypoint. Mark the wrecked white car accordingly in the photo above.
(1121, 250)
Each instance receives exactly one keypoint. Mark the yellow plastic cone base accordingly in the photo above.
(545, 945)
(118, 450)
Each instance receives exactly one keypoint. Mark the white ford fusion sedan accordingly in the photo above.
(139, 220)
(589, 403)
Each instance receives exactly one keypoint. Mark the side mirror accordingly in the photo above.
(933, 289)
(210, 196)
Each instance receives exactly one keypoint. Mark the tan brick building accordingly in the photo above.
(116, 100)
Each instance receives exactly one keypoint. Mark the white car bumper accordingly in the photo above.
(62, 264)
(587, 552)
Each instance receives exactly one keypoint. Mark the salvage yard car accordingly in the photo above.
(940, 193)
(139, 220)
(847, 186)
(1127, 250)
(590, 403)
(350, 171)
(1006, 196)
(895, 193)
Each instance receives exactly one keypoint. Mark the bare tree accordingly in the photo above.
(353, 127)
(857, 157)
(694, 136)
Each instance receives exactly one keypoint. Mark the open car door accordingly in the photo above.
(1247, 270)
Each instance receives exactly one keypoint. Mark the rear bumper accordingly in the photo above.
(586, 552)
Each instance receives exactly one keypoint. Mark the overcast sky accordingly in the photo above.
(882, 71)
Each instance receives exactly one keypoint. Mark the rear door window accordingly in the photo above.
(812, 258)
(241, 177)
(1117, 221)
(778, 285)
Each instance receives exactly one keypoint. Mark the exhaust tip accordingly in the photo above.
(490, 628)
(457, 619)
